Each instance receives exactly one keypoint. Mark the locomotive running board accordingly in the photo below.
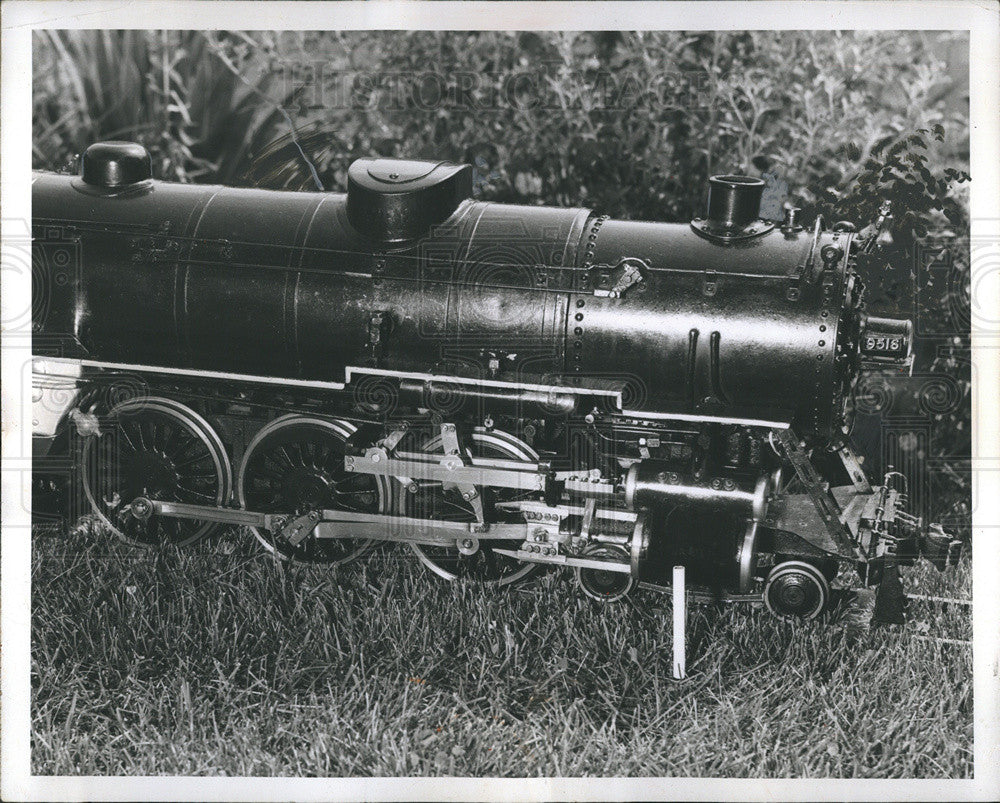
(593, 386)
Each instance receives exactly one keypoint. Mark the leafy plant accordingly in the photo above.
(179, 93)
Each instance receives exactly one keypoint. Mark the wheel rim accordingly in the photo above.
(796, 590)
(163, 450)
(433, 502)
(602, 585)
(746, 558)
(295, 464)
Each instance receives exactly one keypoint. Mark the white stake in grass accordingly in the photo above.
(680, 615)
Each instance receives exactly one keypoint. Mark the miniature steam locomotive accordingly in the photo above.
(500, 388)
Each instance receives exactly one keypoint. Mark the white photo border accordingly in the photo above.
(20, 18)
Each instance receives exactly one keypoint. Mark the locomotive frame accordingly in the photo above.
(500, 388)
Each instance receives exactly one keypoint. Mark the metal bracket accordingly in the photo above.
(538, 511)
(376, 332)
(724, 236)
(627, 273)
(588, 517)
(391, 441)
(587, 486)
(709, 283)
(819, 491)
(299, 528)
(453, 449)
(87, 424)
(882, 223)
(854, 470)
(804, 272)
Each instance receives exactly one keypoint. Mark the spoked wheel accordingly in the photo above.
(160, 449)
(295, 464)
(433, 500)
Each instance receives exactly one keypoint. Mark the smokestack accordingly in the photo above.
(733, 201)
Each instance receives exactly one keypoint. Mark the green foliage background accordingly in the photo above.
(630, 124)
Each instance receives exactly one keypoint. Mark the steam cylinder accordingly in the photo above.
(657, 484)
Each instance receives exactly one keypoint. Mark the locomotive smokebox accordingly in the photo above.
(733, 201)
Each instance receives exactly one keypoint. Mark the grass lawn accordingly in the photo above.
(221, 661)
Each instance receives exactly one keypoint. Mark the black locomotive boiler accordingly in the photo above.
(500, 388)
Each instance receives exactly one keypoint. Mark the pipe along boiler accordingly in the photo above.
(498, 388)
